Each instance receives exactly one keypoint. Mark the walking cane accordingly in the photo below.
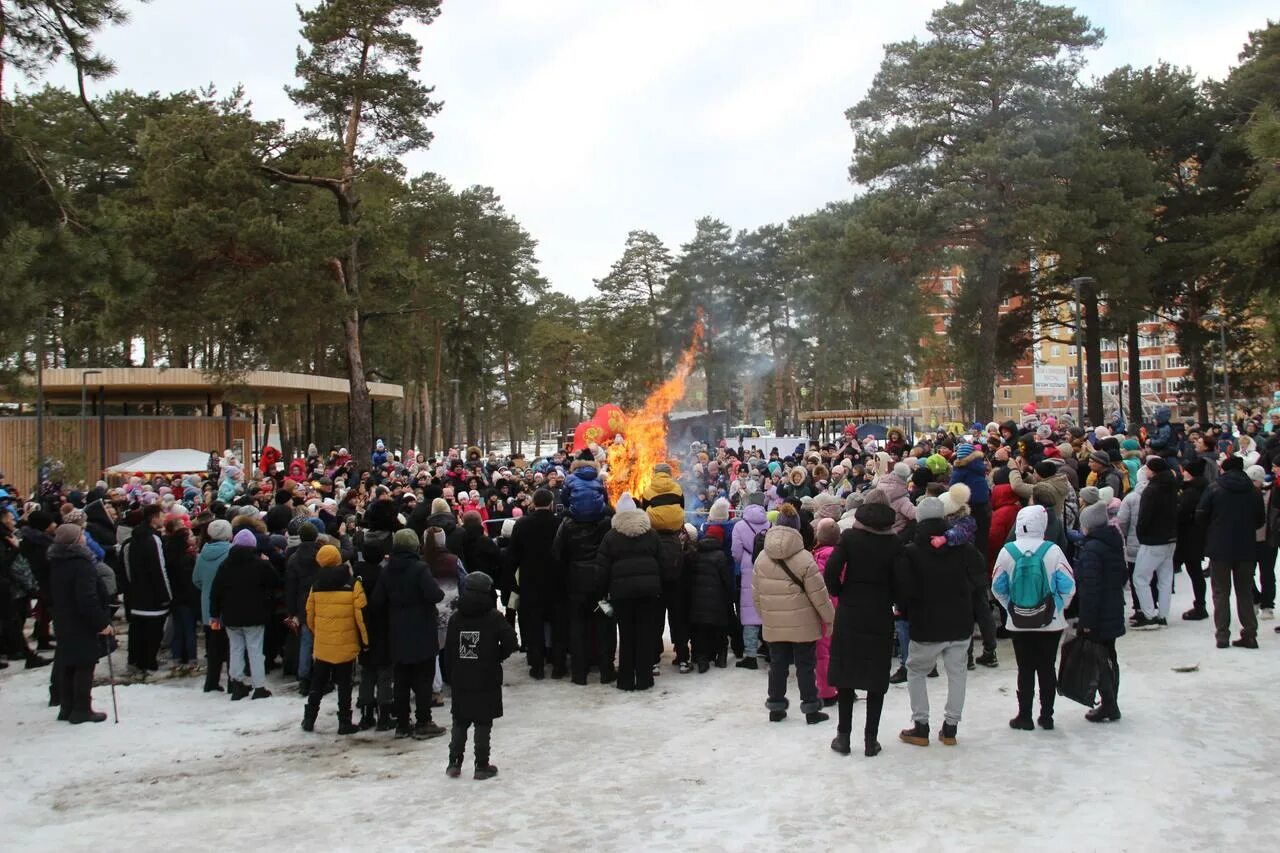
(111, 674)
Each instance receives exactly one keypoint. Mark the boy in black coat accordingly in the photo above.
(479, 639)
(711, 590)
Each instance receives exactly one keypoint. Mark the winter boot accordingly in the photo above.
(815, 717)
(1196, 613)
(608, 674)
(454, 770)
(238, 690)
(425, 730)
(368, 717)
(484, 771)
(1245, 643)
(309, 715)
(90, 716)
(969, 664)
(917, 735)
(1102, 714)
(537, 673)
(1045, 721)
(1022, 723)
(404, 731)
(948, 734)
(748, 663)
(840, 743)
(871, 748)
(260, 693)
(987, 658)
(386, 720)
(899, 676)
(304, 686)
(933, 673)
(34, 661)
(777, 716)
(722, 660)
(345, 726)
(703, 666)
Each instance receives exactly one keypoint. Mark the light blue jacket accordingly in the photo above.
(210, 560)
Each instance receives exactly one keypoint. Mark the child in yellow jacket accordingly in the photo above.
(335, 617)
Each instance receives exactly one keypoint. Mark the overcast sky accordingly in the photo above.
(594, 117)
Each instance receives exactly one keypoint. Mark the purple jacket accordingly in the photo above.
(754, 520)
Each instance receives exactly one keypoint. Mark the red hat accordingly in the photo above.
(715, 531)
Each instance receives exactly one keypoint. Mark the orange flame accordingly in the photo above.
(644, 441)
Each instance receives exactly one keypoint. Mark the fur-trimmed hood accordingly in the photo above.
(581, 465)
(632, 522)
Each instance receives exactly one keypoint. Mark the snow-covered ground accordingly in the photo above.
(692, 765)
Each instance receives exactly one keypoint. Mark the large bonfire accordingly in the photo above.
(644, 440)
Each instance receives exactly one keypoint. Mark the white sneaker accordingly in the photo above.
(1267, 614)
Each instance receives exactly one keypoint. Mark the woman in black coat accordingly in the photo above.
(1102, 576)
(82, 615)
(409, 595)
(629, 563)
(711, 590)
(860, 573)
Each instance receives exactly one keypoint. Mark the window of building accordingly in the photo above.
(1108, 367)
(1055, 351)
(1004, 303)
(1175, 362)
(1071, 350)
(1006, 393)
(947, 286)
(1071, 371)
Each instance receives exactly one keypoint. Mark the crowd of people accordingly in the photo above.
(858, 564)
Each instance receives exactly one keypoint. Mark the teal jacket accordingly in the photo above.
(207, 564)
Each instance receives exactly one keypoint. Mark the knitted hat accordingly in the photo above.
(440, 506)
(328, 556)
(1043, 431)
(219, 531)
(1089, 495)
(714, 531)
(1196, 467)
(929, 509)
(1101, 458)
(690, 531)
(1256, 473)
(1094, 516)
(1157, 464)
(903, 472)
(480, 582)
(936, 464)
(719, 510)
(67, 534)
(1101, 432)
(404, 540)
(307, 532)
(827, 532)
(1106, 495)
(1130, 444)
(626, 502)
(963, 450)
(788, 517)
(1231, 463)
(875, 496)
(1043, 494)
(854, 501)
(245, 539)
(955, 500)
(662, 468)
(508, 527)
(1046, 469)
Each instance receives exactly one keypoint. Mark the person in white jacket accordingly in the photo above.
(1127, 520)
(1036, 625)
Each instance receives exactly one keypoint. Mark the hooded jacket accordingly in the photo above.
(583, 492)
(1101, 579)
(1127, 519)
(754, 521)
(210, 558)
(1231, 512)
(1029, 535)
(575, 549)
(1158, 510)
(81, 606)
(935, 586)
(860, 574)
(629, 558)
(335, 615)
(542, 577)
(300, 574)
(1004, 512)
(478, 640)
(663, 500)
(408, 594)
(790, 613)
(896, 491)
(711, 587)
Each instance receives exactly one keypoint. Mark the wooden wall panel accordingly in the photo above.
(127, 437)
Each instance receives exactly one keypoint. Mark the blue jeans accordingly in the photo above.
(183, 645)
(750, 640)
(306, 651)
(904, 639)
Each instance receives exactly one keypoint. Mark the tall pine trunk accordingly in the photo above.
(1093, 352)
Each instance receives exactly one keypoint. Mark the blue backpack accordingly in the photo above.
(1031, 603)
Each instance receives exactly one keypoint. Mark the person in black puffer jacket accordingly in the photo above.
(575, 548)
(1189, 553)
(629, 563)
(81, 612)
(240, 603)
(375, 698)
(1231, 512)
(860, 575)
(479, 553)
(711, 592)
(1157, 539)
(1101, 576)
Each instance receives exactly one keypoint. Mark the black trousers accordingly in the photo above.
(589, 629)
(805, 657)
(322, 672)
(146, 633)
(1037, 656)
(673, 610)
(458, 740)
(416, 677)
(535, 616)
(1266, 596)
(635, 642)
(1109, 687)
(986, 621)
(982, 517)
(216, 653)
(15, 619)
(708, 641)
(845, 698)
(75, 684)
(1190, 561)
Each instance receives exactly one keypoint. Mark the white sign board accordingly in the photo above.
(1051, 381)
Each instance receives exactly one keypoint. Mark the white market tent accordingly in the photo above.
(164, 462)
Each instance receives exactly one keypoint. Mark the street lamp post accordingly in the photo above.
(84, 425)
(1075, 283)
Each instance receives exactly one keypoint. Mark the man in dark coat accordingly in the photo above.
(34, 539)
(376, 699)
(299, 576)
(574, 550)
(1101, 576)
(149, 593)
(479, 639)
(860, 575)
(711, 592)
(543, 591)
(629, 564)
(409, 595)
(82, 616)
(1231, 511)
(1190, 551)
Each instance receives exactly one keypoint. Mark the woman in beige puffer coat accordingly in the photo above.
(795, 613)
